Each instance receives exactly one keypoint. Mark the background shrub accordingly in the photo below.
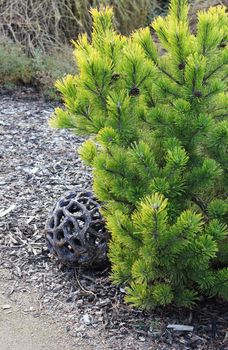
(45, 28)
(50, 66)
(39, 24)
(35, 46)
(15, 66)
(41, 70)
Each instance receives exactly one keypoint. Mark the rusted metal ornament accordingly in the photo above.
(75, 230)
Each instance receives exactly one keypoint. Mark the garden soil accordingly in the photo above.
(44, 305)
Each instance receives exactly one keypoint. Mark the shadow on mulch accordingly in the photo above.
(209, 318)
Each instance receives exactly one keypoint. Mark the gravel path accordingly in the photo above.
(22, 324)
(38, 165)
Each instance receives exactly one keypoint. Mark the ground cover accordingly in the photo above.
(38, 165)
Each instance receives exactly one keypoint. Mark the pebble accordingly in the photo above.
(87, 319)
(154, 334)
(6, 307)
(180, 327)
(142, 339)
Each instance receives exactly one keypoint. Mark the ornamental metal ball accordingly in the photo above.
(75, 230)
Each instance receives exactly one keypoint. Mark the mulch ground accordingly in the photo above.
(39, 165)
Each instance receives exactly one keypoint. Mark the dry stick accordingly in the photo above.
(41, 14)
(12, 32)
(67, 14)
(80, 285)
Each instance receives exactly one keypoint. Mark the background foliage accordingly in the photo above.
(40, 23)
(35, 34)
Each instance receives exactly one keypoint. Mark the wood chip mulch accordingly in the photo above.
(39, 165)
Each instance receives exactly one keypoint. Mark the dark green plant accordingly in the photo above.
(49, 67)
(157, 120)
(41, 70)
(14, 64)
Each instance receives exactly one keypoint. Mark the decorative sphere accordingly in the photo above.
(75, 230)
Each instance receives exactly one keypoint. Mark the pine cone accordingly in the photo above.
(134, 91)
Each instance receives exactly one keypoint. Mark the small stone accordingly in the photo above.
(6, 307)
(80, 328)
(225, 338)
(142, 339)
(180, 327)
(79, 302)
(98, 313)
(87, 319)
(154, 334)
(104, 302)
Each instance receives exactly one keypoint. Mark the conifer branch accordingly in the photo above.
(179, 10)
(198, 201)
(217, 109)
(169, 75)
(134, 74)
(86, 115)
(155, 219)
(160, 68)
(91, 90)
(129, 233)
(147, 169)
(151, 103)
(99, 91)
(213, 72)
(117, 199)
(164, 89)
(211, 93)
(145, 120)
(170, 242)
(143, 79)
(221, 116)
(114, 172)
(119, 116)
(204, 39)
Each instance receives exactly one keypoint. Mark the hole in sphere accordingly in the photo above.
(59, 235)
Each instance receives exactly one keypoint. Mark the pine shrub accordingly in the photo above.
(156, 116)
